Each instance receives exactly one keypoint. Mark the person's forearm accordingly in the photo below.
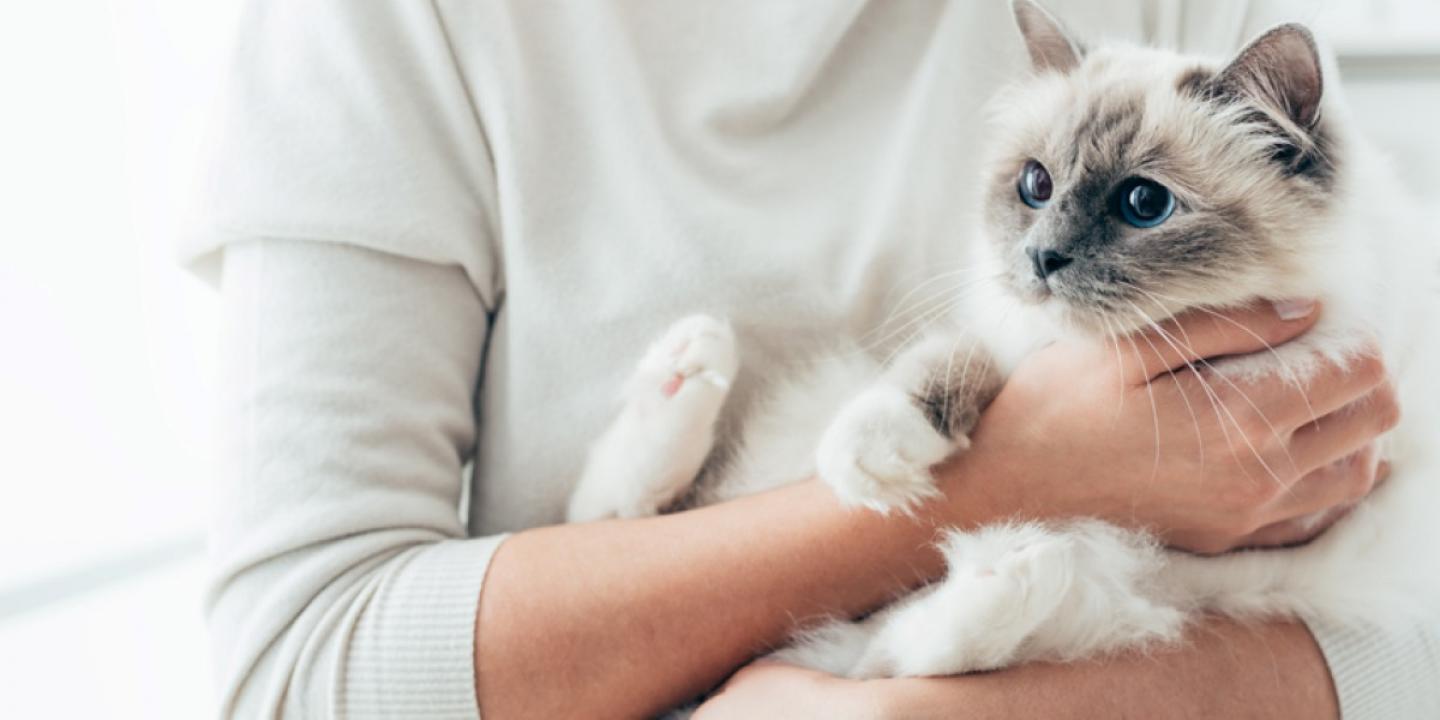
(1224, 670)
(625, 618)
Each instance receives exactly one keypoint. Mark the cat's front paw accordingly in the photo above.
(649, 457)
(697, 351)
(879, 450)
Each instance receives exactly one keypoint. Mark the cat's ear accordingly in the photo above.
(1050, 48)
(1281, 70)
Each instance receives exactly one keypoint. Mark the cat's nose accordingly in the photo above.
(1048, 262)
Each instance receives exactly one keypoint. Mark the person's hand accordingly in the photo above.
(1142, 434)
(770, 689)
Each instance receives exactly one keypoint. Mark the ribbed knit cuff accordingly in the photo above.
(1382, 674)
(412, 654)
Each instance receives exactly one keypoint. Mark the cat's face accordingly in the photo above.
(1130, 183)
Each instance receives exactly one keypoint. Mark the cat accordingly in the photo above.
(1128, 184)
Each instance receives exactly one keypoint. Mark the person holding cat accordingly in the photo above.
(443, 231)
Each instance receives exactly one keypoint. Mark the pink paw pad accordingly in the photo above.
(672, 385)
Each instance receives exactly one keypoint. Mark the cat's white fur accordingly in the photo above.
(1027, 591)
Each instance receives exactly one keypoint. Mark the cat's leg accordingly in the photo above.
(835, 646)
(651, 453)
(879, 449)
(1015, 593)
(1003, 583)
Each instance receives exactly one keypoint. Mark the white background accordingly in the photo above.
(107, 348)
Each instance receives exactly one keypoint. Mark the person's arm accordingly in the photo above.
(624, 618)
(345, 585)
(1223, 670)
(342, 584)
(350, 199)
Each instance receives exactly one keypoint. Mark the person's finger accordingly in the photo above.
(1288, 533)
(1285, 401)
(1338, 483)
(1302, 529)
(1334, 386)
(1198, 334)
(1346, 430)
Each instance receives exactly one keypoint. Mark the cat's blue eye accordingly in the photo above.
(1145, 203)
(1035, 185)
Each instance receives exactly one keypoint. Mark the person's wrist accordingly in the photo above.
(919, 698)
(980, 487)
(876, 700)
(888, 699)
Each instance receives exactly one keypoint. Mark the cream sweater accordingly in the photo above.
(446, 227)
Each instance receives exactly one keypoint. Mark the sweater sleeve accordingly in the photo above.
(344, 584)
(350, 207)
(350, 122)
(1383, 673)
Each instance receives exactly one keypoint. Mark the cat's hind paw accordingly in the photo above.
(1004, 583)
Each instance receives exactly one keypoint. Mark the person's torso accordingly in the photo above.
(796, 168)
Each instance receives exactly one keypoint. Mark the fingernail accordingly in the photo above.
(1294, 309)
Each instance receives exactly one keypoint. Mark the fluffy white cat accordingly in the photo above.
(1128, 184)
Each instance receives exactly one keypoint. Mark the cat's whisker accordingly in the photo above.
(1210, 394)
(1246, 397)
(921, 326)
(907, 332)
(900, 307)
(937, 303)
(896, 323)
(1194, 419)
(1112, 334)
(1218, 407)
(965, 369)
(949, 367)
(1154, 409)
(1274, 431)
(1289, 371)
